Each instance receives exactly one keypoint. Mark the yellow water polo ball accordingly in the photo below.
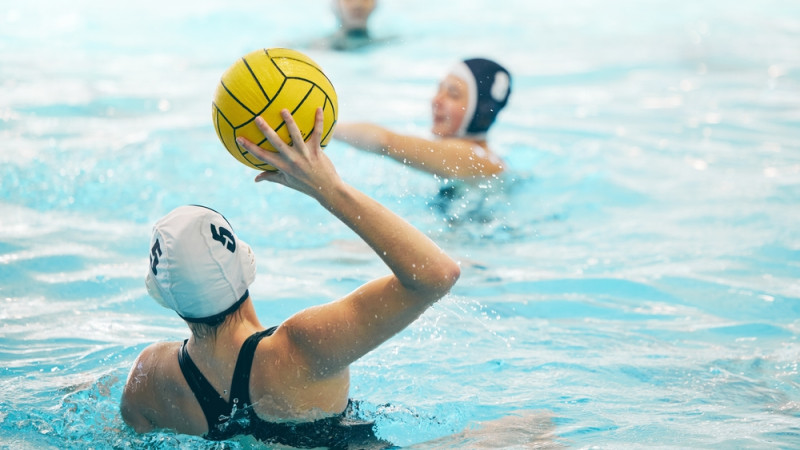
(262, 83)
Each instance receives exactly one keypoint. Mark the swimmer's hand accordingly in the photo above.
(302, 166)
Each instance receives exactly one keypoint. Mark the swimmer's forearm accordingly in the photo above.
(447, 158)
(416, 261)
(376, 139)
(365, 136)
(412, 151)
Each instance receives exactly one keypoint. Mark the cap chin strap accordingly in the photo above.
(461, 70)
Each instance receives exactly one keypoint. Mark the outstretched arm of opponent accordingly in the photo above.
(332, 336)
(447, 158)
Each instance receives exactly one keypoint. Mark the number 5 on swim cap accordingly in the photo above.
(262, 83)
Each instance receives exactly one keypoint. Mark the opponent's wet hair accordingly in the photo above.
(489, 86)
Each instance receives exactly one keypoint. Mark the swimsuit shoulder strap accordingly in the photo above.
(211, 402)
(240, 384)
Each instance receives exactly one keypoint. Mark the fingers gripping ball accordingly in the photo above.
(262, 83)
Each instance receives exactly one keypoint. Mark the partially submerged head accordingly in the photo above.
(198, 267)
(353, 14)
(469, 98)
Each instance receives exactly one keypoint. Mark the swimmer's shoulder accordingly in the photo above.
(157, 353)
(156, 388)
(141, 392)
(155, 369)
(485, 160)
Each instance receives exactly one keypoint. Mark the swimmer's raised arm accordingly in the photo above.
(447, 158)
(330, 337)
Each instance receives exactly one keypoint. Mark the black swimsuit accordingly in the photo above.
(234, 418)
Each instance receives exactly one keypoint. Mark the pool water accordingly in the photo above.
(633, 281)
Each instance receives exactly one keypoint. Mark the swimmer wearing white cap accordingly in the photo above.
(289, 384)
(464, 108)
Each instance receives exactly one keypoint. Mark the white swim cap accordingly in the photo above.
(198, 267)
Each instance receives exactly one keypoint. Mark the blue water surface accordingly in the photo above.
(632, 282)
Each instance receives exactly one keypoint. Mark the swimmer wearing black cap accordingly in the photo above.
(464, 108)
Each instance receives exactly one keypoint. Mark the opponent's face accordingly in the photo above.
(449, 106)
(353, 14)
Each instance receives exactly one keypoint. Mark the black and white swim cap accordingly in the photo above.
(198, 266)
(489, 86)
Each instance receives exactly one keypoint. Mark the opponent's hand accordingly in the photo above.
(302, 166)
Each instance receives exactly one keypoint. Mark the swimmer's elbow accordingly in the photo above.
(451, 275)
(441, 278)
